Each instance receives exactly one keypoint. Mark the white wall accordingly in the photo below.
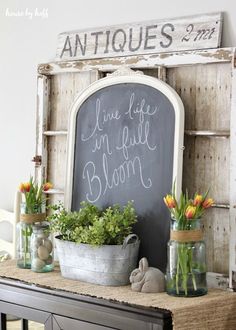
(25, 42)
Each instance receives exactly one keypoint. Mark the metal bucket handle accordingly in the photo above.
(128, 238)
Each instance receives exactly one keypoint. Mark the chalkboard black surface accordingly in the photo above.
(124, 141)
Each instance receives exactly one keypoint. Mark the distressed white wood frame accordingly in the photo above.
(168, 60)
(43, 86)
(232, 245)
(134, 78)
(143, 62)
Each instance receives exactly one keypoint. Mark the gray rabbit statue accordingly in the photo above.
(147, 279)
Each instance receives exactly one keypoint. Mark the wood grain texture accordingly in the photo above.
(57, 160)
(64, 88)
(216, 235)
(114, 307)
(206, 94)
(43, 112)
(156, 36)
(232, 273)
(203, 81)
(172, 59)
(206, 165)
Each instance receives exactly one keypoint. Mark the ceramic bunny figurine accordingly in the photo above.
(147, 279)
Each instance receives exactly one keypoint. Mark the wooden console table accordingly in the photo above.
(67, 311)
(59, 303)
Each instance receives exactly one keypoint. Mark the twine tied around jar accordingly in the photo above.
(33, 217)
(185, 236)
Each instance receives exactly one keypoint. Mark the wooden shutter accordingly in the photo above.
(56, 94)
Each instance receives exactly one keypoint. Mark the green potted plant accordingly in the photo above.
(95, 245)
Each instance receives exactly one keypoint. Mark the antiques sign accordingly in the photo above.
(186, 33)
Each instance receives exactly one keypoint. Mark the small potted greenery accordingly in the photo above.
(95, 245)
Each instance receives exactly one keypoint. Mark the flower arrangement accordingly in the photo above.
(186, 235)
(32, 210)
(187, 208)
(34, 195)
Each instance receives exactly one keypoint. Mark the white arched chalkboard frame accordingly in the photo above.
(133, 78)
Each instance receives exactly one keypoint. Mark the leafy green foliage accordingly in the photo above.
(92, 225)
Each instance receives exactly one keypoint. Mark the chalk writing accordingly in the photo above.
(142, 136)
(113, 177)
(125, 143)
(139, 109)
(130, 141)
(101, 119)
(101, 141)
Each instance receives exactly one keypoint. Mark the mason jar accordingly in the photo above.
(23, 235)
(41, 248)
(186, 264)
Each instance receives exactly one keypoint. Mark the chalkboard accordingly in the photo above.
(124, 143)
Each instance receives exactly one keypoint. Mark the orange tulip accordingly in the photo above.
(190, 212)
(170, 202)
(27, 186)
(207, 203)
(47, 186)
(197, 200)
(22, 187)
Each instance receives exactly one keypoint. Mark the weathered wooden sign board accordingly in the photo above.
(156, 36)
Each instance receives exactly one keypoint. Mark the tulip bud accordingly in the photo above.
(197, 200)
(47, 186)
(190, 212)
(207, 203)
(22, 187)
(170, 202)
(27, 187)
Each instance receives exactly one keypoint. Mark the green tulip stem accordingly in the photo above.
(26, 233)
(184, 268)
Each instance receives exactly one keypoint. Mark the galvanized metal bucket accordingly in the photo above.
(104, 265)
